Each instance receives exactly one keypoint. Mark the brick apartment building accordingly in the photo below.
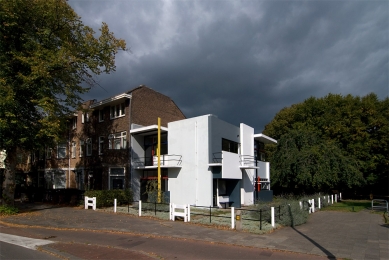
(96, 152)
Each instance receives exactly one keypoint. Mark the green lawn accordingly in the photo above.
(349, 206)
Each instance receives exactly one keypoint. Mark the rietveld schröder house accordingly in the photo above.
(205, 162)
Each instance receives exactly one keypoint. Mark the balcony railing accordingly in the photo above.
(171, 160)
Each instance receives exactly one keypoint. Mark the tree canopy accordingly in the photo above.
(48, 58)
(353, 129)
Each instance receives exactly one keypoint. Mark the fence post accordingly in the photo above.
(210, 212)
(188, 212)
(328, 199)
(238, 220)
(340, 196)
(170, 211)
(301, 204)
(94, 203)
(336, 198)
(319, 203)
(114, 205)
(272, 217)
(332, 199)
(260, 219)
(313, 205)
(140, 208)
(232, 218)
(86, 202)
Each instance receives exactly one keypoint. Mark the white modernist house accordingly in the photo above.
(205, 162)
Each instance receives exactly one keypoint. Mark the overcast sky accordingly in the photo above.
(244, 60)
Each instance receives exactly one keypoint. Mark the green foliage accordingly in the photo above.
(105, 198)
(349, 206)
(303, 160)
(46, 54)
(152, 192)
(8, 210)
(355, 129)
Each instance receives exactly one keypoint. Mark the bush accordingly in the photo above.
(105, 198)
(8, 210)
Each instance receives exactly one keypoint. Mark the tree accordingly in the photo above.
(358, 126)
(303, 161)
(46, 56)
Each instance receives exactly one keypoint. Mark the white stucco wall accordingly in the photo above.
(192, 184)
(248, 175)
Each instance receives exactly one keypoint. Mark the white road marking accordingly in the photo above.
(27, 242)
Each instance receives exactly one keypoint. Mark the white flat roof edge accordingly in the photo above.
(108, 100)
(147, 129)
(262, 136)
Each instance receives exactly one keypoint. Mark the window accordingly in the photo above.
(101, 144)
(117, 111)
(61, 151)
(116, 178)
(74, 122)
(48, 152)
(230, 146)
(101, 115)
(85, 117)
(88, 142)
(81, 148)
(117, 141)
(73, 149)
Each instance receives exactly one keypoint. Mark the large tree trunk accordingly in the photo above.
(8, 185)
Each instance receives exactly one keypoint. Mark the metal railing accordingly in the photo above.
(379, 204)
(166, 160)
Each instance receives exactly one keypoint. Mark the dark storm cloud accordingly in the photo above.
(245, 60)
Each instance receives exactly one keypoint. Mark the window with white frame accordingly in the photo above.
(117, 141)
(73, 149)
(74, 122)
(48, 152)
(101, 115)
(81, 148)
(101, 144)
(88, 142)
(61, 151)
(116, 178)
(85, 117)
(117, 111)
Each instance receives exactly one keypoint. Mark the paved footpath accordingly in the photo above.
(361, 235)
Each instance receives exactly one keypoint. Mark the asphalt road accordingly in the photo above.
(118, 245)
(10, 251)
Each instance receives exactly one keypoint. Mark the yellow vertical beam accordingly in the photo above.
(159, 160)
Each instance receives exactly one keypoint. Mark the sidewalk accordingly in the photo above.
(359, 235)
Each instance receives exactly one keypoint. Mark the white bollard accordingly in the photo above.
(328, 198)
(332, 199)
(272, 217)
(313, 205)
(232, 218)
(340, 196)
(319, 203)
(140, 208)
(336, 198)
(301, 204)
(114, 205)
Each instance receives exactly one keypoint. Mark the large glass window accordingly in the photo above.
(230, 146)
